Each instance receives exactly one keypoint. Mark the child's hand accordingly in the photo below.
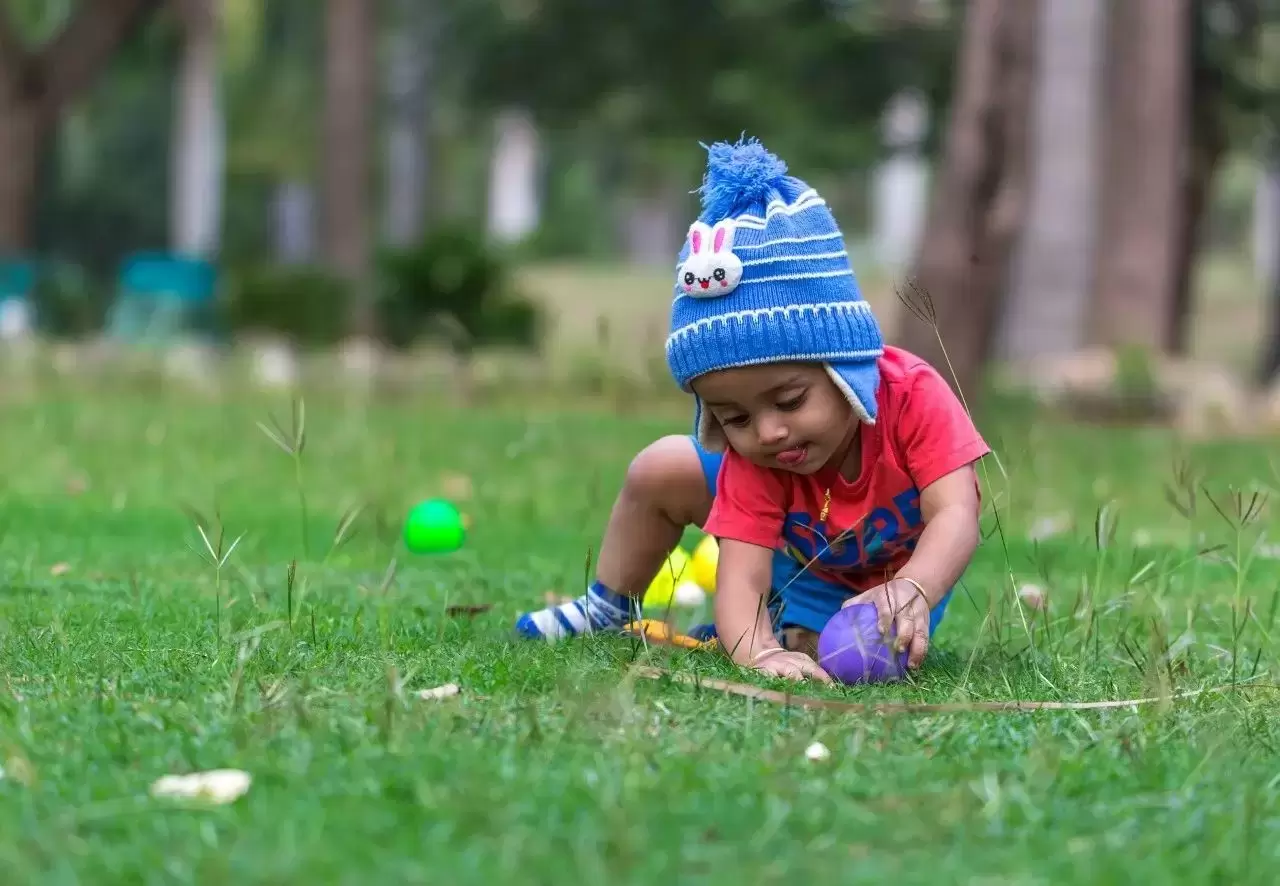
(786, 663)
(899, 602)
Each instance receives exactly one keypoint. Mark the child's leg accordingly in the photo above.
(665, 490)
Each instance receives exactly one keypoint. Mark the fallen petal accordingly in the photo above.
(1032, 596)
(216, 785)
(445, 691)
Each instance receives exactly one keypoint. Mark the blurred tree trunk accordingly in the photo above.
(349, 98)
(514, 204)
(1269, 370)
(197, 147)
(979, 199)
(36, 85)
(1143, 197)
(651, 223)
(1052, 271)
(1270, 373)
(1209, 141)
(407, 75)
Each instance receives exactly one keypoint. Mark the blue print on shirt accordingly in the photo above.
(875, 541)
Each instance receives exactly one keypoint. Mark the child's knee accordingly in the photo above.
(668, 474)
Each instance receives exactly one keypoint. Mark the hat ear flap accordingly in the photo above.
(859, 383)
(709, 432)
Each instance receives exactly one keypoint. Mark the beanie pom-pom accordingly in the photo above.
(737, 174)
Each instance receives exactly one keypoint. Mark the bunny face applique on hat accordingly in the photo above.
(711, 268)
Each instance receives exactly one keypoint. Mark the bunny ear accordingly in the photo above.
(699, 237)
(722, 236)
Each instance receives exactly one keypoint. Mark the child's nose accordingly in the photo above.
(771, 431)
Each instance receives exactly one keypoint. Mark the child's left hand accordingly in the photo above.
(900, 603)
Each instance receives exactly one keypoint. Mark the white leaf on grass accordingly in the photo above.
(817, 752)
(215, 785)
(445, 691)
(1049, 527)
(1032, 596)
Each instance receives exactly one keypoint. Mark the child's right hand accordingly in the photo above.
(793, 665)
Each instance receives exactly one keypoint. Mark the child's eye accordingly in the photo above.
(735, 421)
(792, 404)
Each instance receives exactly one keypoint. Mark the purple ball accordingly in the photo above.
(851, 651)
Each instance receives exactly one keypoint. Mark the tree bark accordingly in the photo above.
(514, 200)
(1143, 199)
(350, 95)
(37, 84)
(980, 196)
(1208, 144)
(198, 141)
(1269, 368)
(1209, 141)
(1052, 270)
(408, 66)
(21, 136)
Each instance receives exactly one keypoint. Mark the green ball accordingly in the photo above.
(433, 527)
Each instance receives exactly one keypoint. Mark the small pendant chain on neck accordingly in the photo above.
(826, 506)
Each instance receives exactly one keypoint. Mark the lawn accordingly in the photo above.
(127, 655)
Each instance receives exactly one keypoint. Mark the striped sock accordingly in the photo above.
(599, 609)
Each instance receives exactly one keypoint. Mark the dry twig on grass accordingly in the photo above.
(907, 707)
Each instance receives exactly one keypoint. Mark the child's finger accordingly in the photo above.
(817, 673)
(885, 614)
(905, 622)
(794, 668)
(919, 645)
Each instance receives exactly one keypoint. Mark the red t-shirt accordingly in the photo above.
(922, 432)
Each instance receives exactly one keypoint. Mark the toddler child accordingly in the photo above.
(832, 469)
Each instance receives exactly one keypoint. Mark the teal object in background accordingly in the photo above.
(163, 296)
(17, 280)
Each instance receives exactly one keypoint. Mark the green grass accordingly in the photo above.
(137, 659)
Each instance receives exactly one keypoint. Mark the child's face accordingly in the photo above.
(780, 415)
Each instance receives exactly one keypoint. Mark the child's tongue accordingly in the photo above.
(792, 456)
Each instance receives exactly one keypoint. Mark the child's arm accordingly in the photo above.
(940, 446)
(950, 509)
(746, 517)
(743, 576)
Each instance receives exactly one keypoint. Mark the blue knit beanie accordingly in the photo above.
(764, 277)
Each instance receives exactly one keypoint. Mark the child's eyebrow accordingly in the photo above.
(794, 381)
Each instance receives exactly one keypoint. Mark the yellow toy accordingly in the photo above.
(703, 568)
(663, 587)
(662, 634)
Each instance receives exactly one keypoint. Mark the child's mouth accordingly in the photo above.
(793, 456)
